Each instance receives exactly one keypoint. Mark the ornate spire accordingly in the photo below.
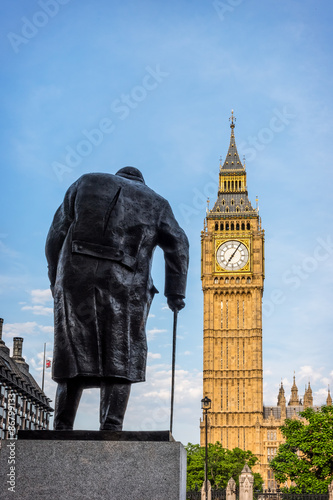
(232, 161)
(308, 399)
(294, 399)
(232, 194)
(329, 399)
(281, 396)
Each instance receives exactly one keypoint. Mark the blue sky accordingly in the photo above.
(95, 86)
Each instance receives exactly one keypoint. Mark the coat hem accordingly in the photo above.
(91, 378)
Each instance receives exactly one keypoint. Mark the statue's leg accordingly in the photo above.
(114, 399)
(67, 400)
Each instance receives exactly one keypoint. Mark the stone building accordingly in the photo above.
(232, 273)
(22, 402)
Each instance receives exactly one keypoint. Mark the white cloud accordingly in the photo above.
(46, 329)
(187, 353)
(153, 331)
(41, 296)
(308, 373)
(152, 355)
(149, 405)
(23, 329)
(39, 310)
(320, 396)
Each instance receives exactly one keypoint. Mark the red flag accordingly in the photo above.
(48, 363)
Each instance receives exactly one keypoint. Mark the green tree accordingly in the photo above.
(222, 465)
(306, 458)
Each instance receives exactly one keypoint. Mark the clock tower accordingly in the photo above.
(232, 273)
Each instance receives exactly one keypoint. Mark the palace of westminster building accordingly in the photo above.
(232, 272)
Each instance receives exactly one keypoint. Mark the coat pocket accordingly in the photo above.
(103, 252)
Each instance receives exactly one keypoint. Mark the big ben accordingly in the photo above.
(232, 276)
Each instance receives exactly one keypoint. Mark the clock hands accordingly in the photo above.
(233, 254)
(226, 255)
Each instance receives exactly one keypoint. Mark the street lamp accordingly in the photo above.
(206, 405)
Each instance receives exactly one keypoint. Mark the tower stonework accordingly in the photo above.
(233, 282)
(232, 273)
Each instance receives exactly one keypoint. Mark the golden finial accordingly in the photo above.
(232, 119)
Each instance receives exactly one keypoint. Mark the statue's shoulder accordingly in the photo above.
(96, 177)
(100, 180)
(95, 180)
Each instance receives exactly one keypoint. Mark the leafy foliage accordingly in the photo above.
(306, 458)
(222, 465)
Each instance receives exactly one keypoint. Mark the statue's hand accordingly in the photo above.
(175, 302)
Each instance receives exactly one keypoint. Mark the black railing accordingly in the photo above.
(280, 495)
(220, 494)
(304, 496)
(193, 494)
(267, 495)
(217, 494)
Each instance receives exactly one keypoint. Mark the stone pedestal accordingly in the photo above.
(209, 491)
(92, 469)
(330, 491)
(231, 490)
(246, 484)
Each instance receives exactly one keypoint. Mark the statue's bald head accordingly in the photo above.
(131, 173)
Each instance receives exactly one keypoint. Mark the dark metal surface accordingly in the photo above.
(281, 495)
(96, 435)
(193, 494)
(218, 494)
(99, 251)
(174, 338)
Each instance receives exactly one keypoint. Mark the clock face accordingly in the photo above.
(232, 255)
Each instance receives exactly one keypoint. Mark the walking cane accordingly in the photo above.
(175, 313)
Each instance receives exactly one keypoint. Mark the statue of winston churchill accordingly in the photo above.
(99, 251)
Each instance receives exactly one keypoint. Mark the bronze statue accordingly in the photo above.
(99, 251)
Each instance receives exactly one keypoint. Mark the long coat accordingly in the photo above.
(99, 251)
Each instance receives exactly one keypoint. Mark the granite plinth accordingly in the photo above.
(96, 435)
(89, 470)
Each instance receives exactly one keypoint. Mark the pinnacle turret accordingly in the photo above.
(281, 396)
(294, 399)
(308, 398)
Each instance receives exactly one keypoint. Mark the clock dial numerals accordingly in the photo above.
(232, 255)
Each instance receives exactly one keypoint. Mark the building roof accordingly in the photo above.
(234, 203)
(17, 375)
(291, 411)
(270, 411)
